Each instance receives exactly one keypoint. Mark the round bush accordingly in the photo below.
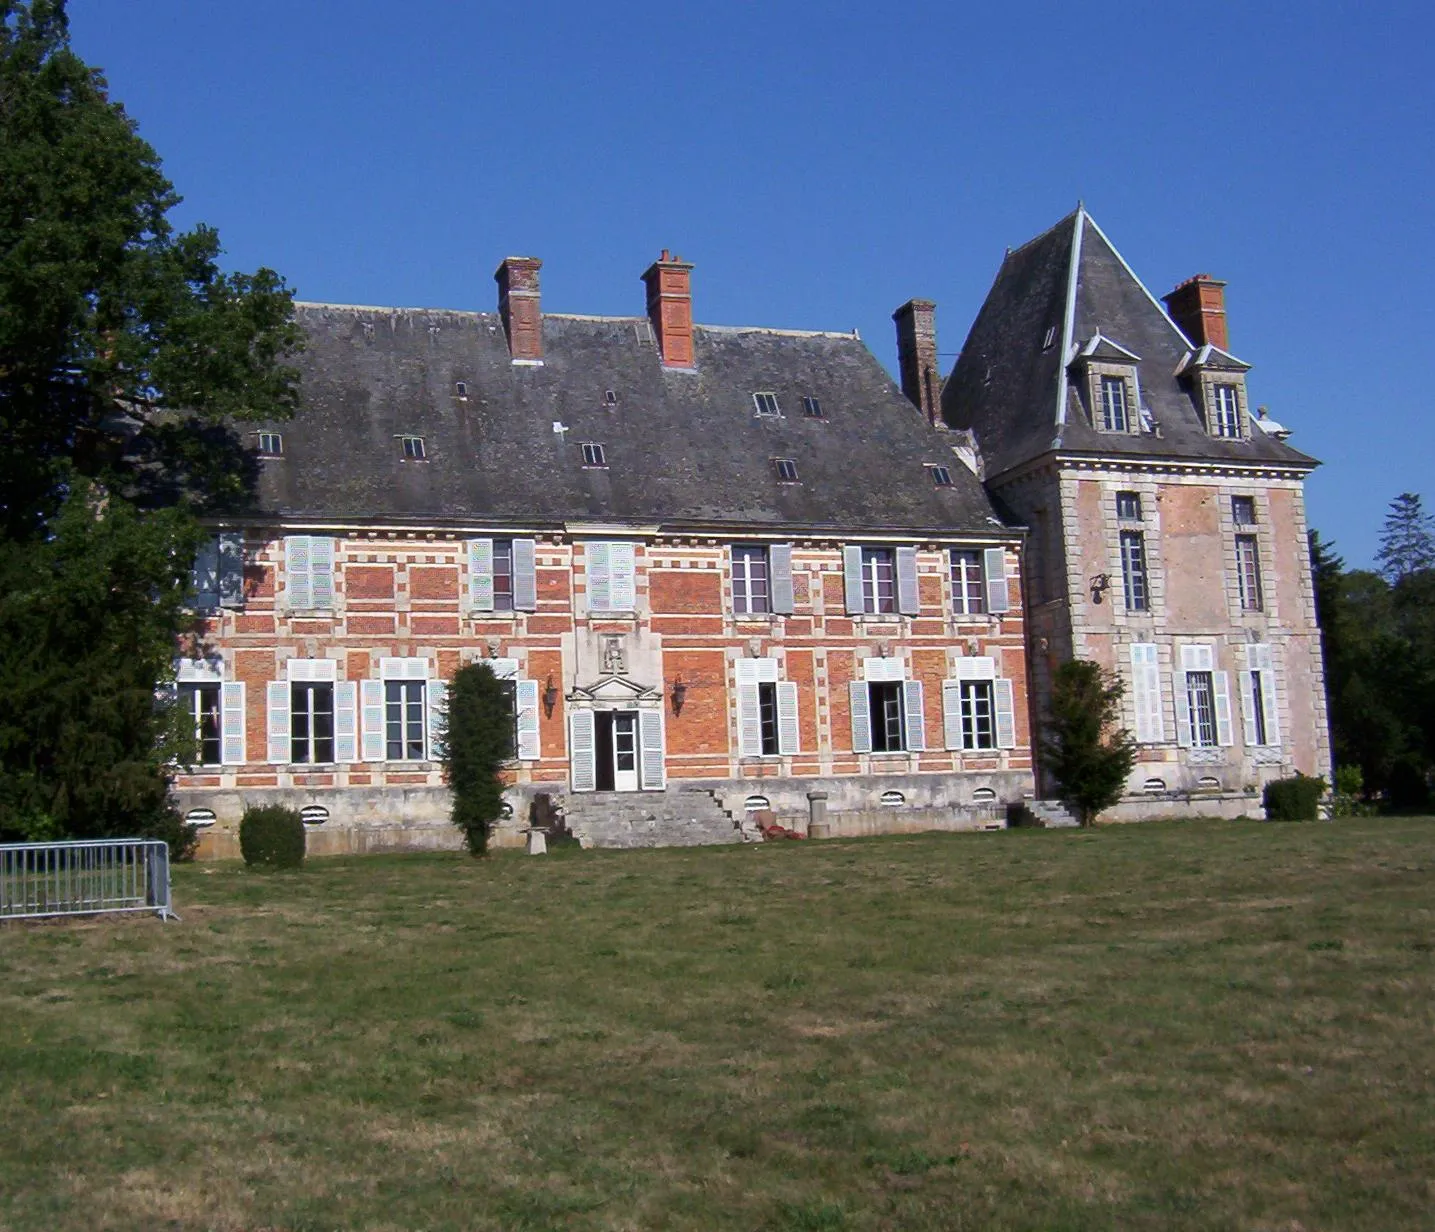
(272, 837)
(1293, 799)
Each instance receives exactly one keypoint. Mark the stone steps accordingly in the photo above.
(1048, 814)
(675, 817)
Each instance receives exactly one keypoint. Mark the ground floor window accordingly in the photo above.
(311, 723)
(404, 720)
(978, 715)
(885, 700)
(1201, 696)
(200, 703)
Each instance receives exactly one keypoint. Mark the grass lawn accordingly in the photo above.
(1201, 1025)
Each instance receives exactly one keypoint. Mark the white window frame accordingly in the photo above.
(968, 581)
(1250, 589)
(1135, 574)
(1107, 382)
(1226, 411)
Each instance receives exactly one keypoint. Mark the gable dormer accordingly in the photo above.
(1216, 381)
(1106, 375)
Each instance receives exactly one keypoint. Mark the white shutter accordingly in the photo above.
(525, 576)
(624, 564)
(298, 590)
(650, 748)
(952, 713)
(1004, 708)
(1198, 658)
(914, 716)
(860, 697)
(909, 600)
(277, 706)
(749, 725)
(779, 573)
(994, 569)
(1221, 684)
(1183, 709)
(437, 691)
(527, 701)
(1264, 661)
(321, 571)
(1146, 693)
(480, 575)
(231, 719)
(582, 751)
(1248, 688)
(787, 730)
(598, 557)
(346, 722)
(976, 667)
(231, 569)
(852, 579)
(204, 577)
(371, 695)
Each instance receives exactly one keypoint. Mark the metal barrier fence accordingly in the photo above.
(44, 879)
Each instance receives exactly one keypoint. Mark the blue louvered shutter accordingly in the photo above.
(852, 579)
(371, 700)
(346, 722)
(582, 751)
(779, 568)
(859, 698)
(994, 567)
(909, 600)
(231, 720)
(525, 576)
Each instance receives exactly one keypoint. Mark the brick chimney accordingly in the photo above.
(520, 307)
(670, 308)
(1198, 306)
(917, 355)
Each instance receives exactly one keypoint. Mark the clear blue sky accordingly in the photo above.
(821, 163)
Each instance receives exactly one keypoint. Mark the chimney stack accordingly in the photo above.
(1198, 306)
(520, 306)
(917, 355)
(670, 308)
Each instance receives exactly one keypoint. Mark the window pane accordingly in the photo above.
(1201, 697)
(1113, 404)
(1248, 573)
(503, 575)
(767, 716)
(879, 592)
(299, 723)
(968, 589)
(1133, 571)
(749, 579)
(885, 700)
(323, 720)
(978, 725)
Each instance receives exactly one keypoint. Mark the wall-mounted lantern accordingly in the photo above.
(550, 696)
(680, 695)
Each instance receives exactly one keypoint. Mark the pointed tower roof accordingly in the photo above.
(1051, 298)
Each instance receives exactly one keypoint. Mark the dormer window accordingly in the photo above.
(593, 455)
(1226, 412)
(811, 407)
(1115, 410)
(413, 447)
(460, 390)
(786, 470)
(766, 404)
(610, 399)
(941, 476)
(271, 445)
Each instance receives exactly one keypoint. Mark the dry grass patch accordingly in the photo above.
(1203, 1026)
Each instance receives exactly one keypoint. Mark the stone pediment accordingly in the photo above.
(610, 689)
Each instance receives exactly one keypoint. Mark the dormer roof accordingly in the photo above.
(1211, 357)
(1017, 395)
(1103, 349)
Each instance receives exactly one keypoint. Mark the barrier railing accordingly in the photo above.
(84, 878)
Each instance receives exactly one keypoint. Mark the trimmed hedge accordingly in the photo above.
(272, 837)
(1293, 799)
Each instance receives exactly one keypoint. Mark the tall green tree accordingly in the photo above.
(1407, 542)
(478, 741)
(127, 357)
(1087, 751)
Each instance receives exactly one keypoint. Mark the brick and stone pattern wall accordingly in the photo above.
(403, 595)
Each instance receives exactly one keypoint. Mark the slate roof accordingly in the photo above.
(1007, 385)
(684, 449)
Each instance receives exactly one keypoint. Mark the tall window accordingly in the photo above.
(1114, 417)
(1133, 571)
(886, 703)
(750, 591)
(200, 703)
(311, 723)
(1201, 696)
(978, 715)
(1260, 722)
(767, 717)
(503, 575)
(1248, 573)
(1227, 420)
(968, 585)
(879, 584)
(404, 720)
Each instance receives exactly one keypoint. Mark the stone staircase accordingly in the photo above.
(676, 817)
(1048, 814)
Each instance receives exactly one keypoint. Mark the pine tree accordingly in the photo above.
(1088, 754)
(478, 740)
(1407, 544)
(126, 358)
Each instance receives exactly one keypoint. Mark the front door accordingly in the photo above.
(616, 750)
(625, 750)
